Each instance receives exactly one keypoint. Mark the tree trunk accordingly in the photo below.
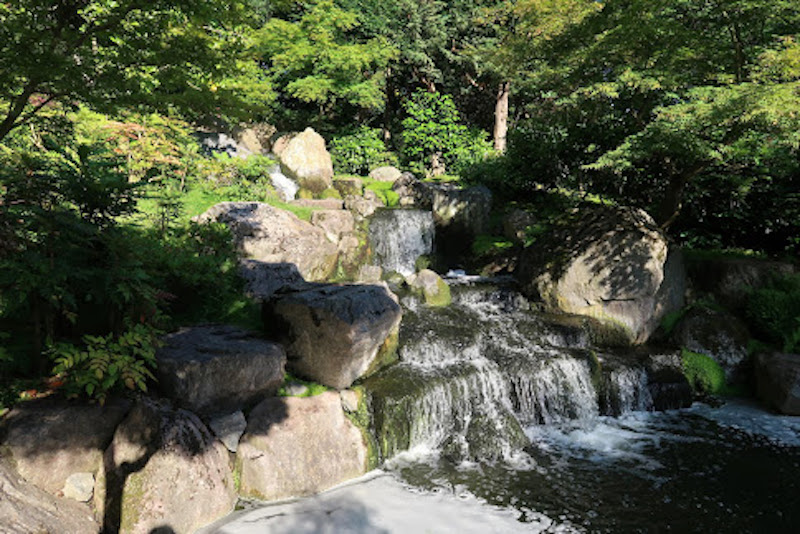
(671, 204)
(501, 117)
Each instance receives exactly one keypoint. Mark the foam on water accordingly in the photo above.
(287, 187)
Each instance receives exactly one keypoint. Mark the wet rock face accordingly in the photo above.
(612, 264)
(333, 333)
(778, 381)
(163, 469)
(212, 368)
(50, 441)
(272, 235)
(25, 508)
(719, 335)
(295, 447)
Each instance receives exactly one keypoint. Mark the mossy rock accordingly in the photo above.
(330, 193)
(703, 373)
(430, 285)
(304, 194)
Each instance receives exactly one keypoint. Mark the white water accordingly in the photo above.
(283, 184)
(399, 237)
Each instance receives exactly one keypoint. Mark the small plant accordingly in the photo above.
(774, 312)
(107, 363)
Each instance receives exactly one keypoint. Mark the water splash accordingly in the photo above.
(399, 237)
(287, 187)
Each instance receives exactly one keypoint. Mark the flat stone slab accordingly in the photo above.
(219, 368)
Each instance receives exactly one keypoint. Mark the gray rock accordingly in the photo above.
(218, 367)
(370, 273)
(349, 186)
(431, 286)
(164, 468)
(296, 389)
(778, 381)
(79, 486)
(362, 207)
(462, 211)
(26, 509)
(385, 174)
(306, 160)
(609, 263)
(299, 446)
(333, 333)
(716, 334)
(319, 203)
(271, 235)
(349, 400)
(335, 223)
(229, 428)
(667, 384)
(49, 440)
(265, 279)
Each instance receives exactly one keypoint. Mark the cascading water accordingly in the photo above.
(399, 237)
(287, 187)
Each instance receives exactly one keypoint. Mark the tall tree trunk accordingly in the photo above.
(671, 204)
(501, 116)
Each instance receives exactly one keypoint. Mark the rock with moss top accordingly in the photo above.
(431, 286)
(778, 381)
(306, 160)
(719, 335)
(335, 223)
(50, 440)
(350, 185)
(297, 446)
(333, 334)
(164, 468)
(610, 263)
(272, 235)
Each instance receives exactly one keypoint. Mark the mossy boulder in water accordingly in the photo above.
(431, 286)
(610, 263)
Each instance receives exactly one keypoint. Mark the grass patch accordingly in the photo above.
(384, 191)
(704, 374)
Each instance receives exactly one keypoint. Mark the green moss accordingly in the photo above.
(441, 297)
(387, 353)
(488, 245)
(362, 419)
(305, 194)
(330, 193)
(237, 475)
(312, 388)
(384, 191)
(132, 500)
(703, 373)
(423, 262)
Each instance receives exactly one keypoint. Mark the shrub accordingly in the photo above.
(360, 151)
(432, 131)
(107, 363)
(774, 312)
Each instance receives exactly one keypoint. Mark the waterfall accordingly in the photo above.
(399, 237)
(283, 184)
(627, 391)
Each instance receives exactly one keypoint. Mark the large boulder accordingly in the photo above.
(272, 235)
(385, 174)
(306, 160)
(218, 368)
(609, 263)
(298, 446)
(333, 334)
(26, 509)
(262, 280)
(716, 334)
(49, 441)
(778, 381)
(164, 470)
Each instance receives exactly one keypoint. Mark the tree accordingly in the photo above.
(317, 60)
(160, 55)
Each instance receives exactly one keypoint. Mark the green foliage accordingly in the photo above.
(188, 55)
(774, 312)
(360, 151)
(703, 373)
(489, 245)
(434, 138)
(105, 364)
(317, 60)
(312, 388)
